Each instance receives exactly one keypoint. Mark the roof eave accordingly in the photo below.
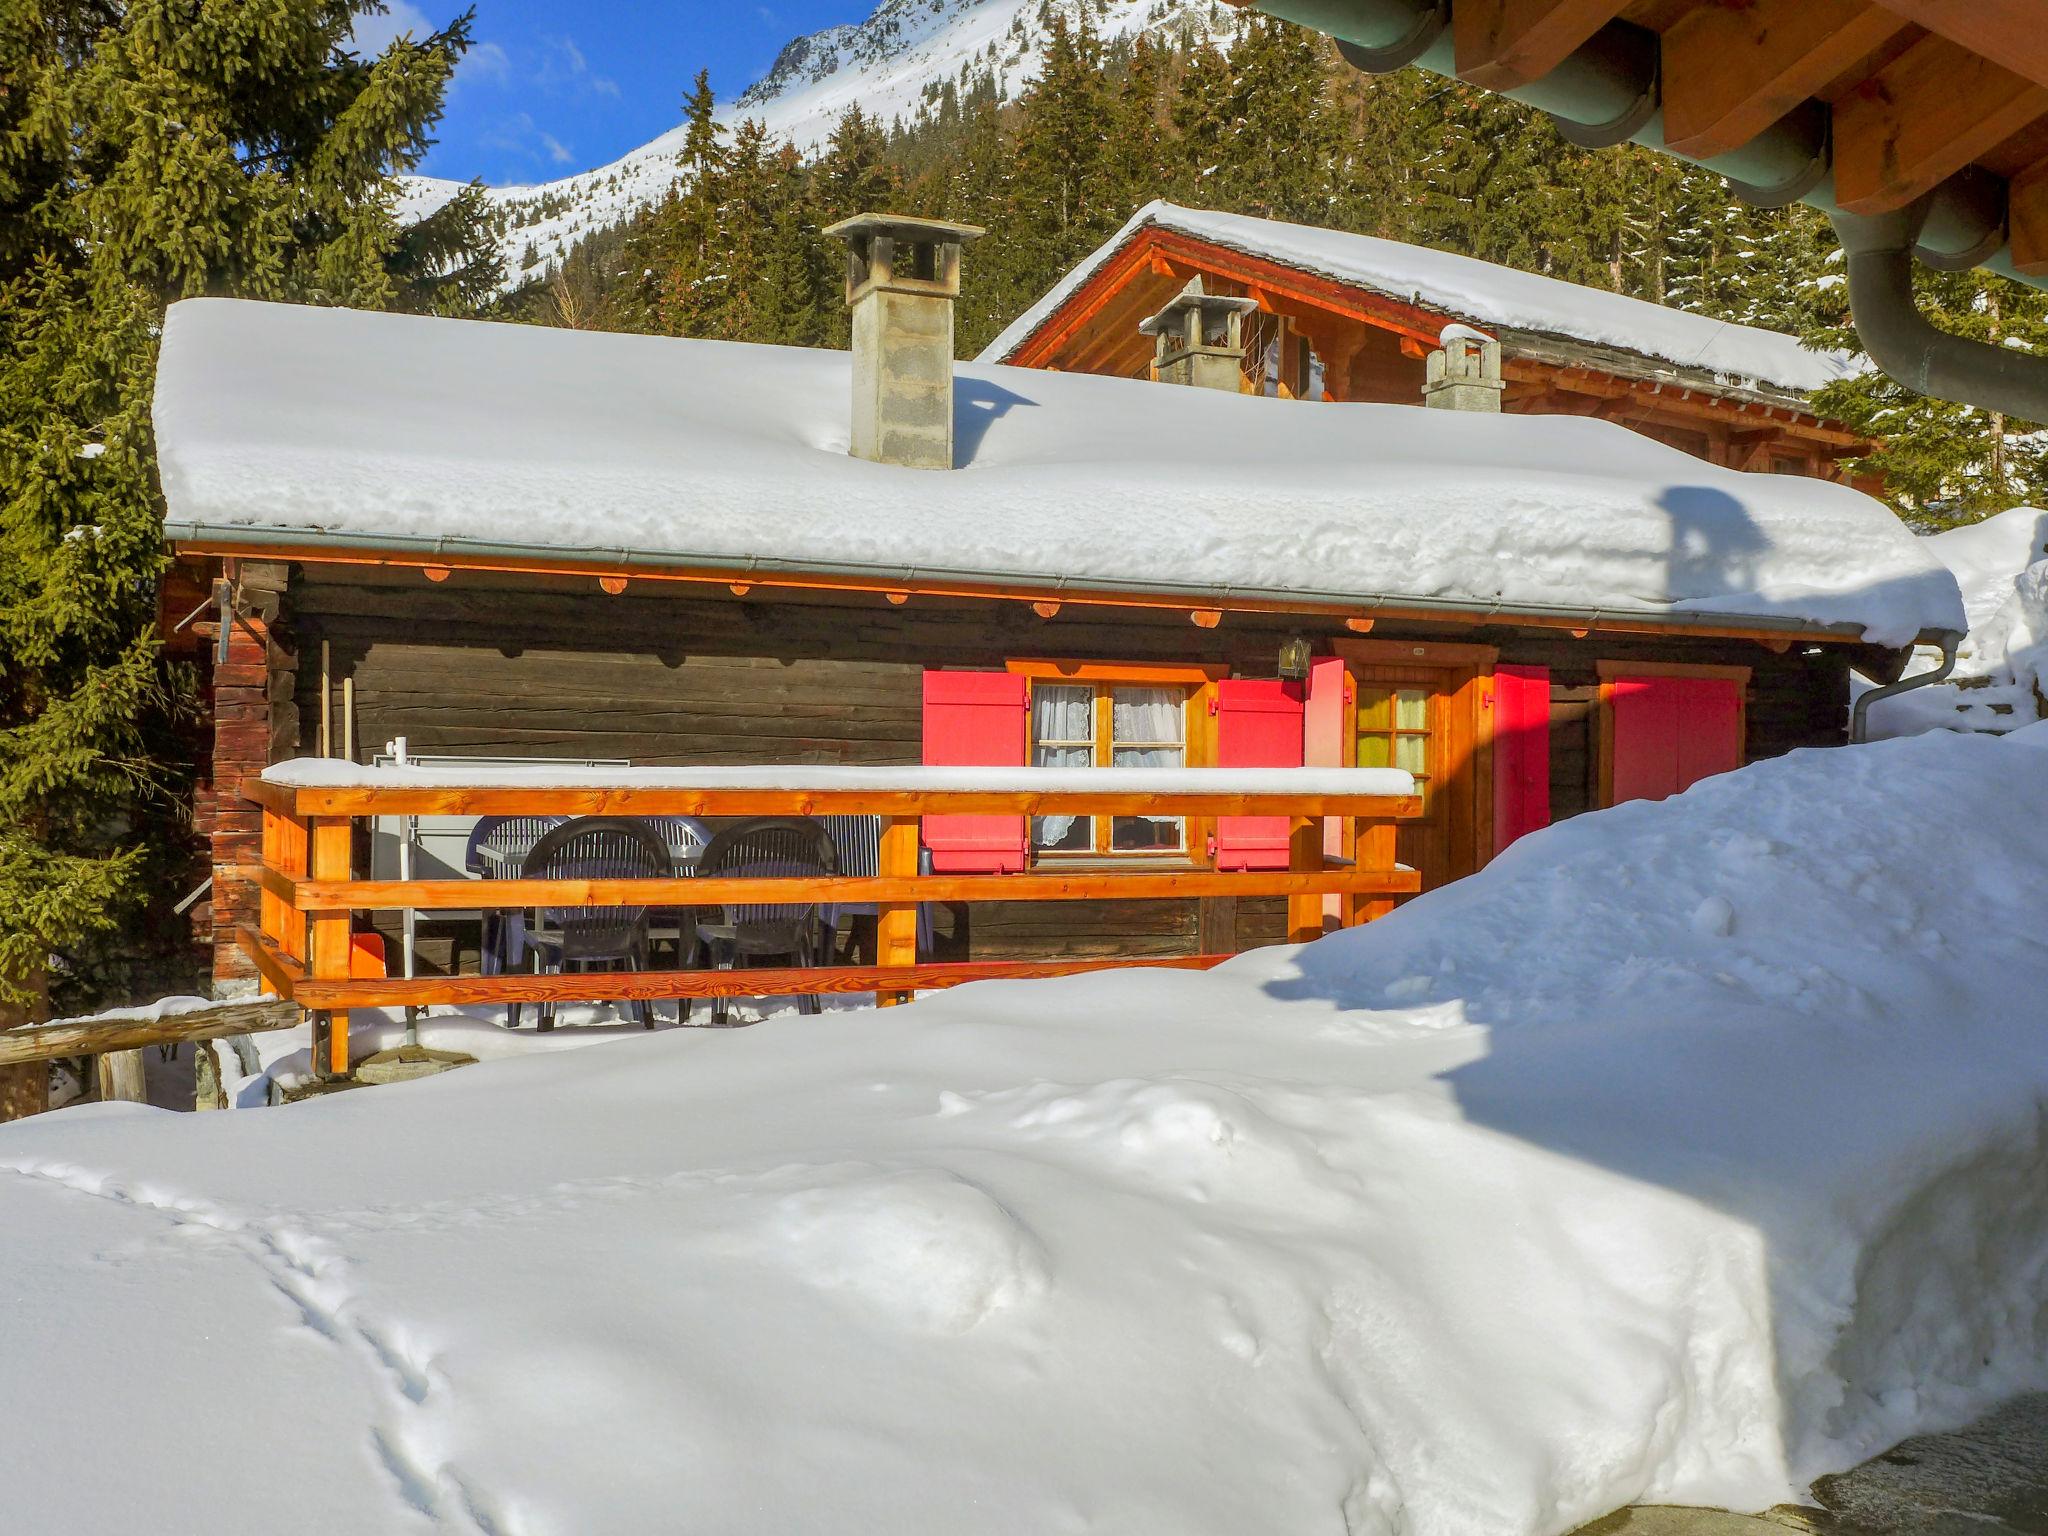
(319, 546)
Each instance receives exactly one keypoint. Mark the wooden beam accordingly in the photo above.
(443, 800)
(2027, 215)
(281, 974)
(768, 981)
(1730, 72)
(98, 1037)
(2007, 32)
(331, 840)
(889, 890)
(896, 921)
(1504, 43)
(1922, 118)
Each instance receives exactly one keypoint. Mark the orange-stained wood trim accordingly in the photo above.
(506, 565)
(275, 798)
(777, 981)
(1732, 71)
(281, 974)
(1501, 44)
(423, 800)
(1059, 670)
(2027, 215)
(2008, 32)
(329, 953)
(1102, 287)
(1115, 885)
(1922, 118)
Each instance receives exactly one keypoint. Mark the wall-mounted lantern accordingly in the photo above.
(1295, 655)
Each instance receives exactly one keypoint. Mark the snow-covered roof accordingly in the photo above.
(287, 426)
(1468, 289)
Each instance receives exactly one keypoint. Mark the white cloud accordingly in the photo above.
(557, 150)
(485, 61)
(372, 32)
(564, 71)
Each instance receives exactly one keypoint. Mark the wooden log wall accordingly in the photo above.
(662, 674)
(1797, 699)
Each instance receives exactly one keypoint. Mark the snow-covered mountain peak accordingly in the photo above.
(893, 65)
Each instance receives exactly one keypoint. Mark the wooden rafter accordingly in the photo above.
(1504, 43)
(2027, 213)
(1922, 118)
(2008, 32)
(1730, 72)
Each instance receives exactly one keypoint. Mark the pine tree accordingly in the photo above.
(150, 151)
(1943, 463)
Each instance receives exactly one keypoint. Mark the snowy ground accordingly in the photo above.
(1691, 1151)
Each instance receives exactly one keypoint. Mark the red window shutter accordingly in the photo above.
(975, 720)
(1671, 732)
(1521, 752)
(1259, 724)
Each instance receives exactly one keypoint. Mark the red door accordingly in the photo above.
(1671, 732)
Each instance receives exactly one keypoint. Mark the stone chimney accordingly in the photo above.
(1198, 339)
(1463, 374)
(902, 276)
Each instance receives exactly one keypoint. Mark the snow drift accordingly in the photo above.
(2001, 673)
(1691, 1150)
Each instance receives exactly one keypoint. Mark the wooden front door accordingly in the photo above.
(1420, 705)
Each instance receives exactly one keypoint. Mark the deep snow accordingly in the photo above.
(451, 434)
(1690, 1150)
(2001, 673)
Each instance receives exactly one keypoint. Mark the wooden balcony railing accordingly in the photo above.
(309, 891)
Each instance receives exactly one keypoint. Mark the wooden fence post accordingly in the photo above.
(896, 921)
(1376, 848)
(1305, 856)
(327, 943)
(120, 1079)
(24, 1087)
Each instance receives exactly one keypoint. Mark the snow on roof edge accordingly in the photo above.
(211, 537)
(1203, 224)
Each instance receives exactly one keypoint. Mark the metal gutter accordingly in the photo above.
(1608, 92)
(302, 544)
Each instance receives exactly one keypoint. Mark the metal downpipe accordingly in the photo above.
(1913, 350)
(1859, 722)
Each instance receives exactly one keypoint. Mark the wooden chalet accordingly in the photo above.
(1343, 317)
(706, 578)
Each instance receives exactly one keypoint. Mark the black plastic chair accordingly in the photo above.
(584, 938)
(502, 940)
(770, 847)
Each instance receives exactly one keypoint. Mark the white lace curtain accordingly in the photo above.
(1063, 733)
(1153, 715)
(1153, 721)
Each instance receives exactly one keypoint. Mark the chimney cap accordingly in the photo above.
(1194, 297)
(903, 226)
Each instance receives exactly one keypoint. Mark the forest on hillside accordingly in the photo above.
(1271, 123)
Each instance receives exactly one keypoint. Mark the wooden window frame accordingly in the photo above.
(1198, 745)
(1459, 674)
(1611, 671)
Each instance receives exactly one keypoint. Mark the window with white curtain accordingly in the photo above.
(1109, 725)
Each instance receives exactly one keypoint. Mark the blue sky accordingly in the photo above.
(557, 86)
